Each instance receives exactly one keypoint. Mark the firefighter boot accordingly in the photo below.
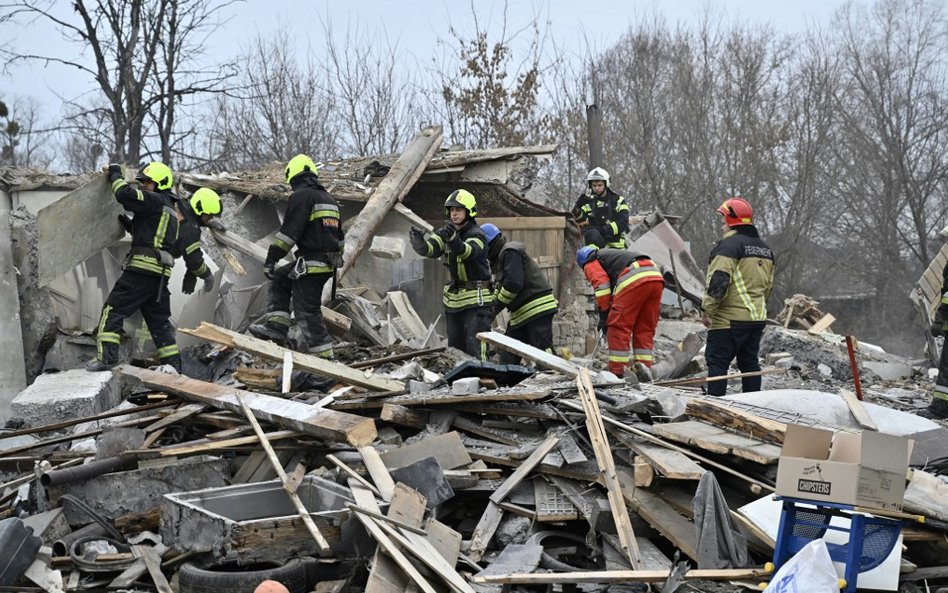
(106, 361)
(268, 330)
(174, 361)
(643, 373)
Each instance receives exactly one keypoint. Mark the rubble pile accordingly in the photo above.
(140, 479)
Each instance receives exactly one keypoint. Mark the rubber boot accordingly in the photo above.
(174, 361)
(643, 373)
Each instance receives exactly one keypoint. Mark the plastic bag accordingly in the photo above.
(809, 571)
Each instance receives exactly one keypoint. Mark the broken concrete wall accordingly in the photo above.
(12, 368)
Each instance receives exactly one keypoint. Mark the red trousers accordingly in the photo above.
(634, 313)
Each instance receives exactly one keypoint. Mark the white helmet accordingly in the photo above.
(598, 174)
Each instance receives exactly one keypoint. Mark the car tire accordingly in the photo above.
(232, 578)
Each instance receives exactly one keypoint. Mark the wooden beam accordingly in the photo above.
(541, 358)
(660, 515)
(306, 362)
(671, 464)
(525, 468)
(403, 416)
(698, 380)
(278, 468)
(408, 510)
(624, 576)
(821, 325)
(400, 178)
(445, 399)
(376, 468)
(319, 422)
(718, 440)
(720, 414)
(607, 467)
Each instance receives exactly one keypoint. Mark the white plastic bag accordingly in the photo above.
(809, 571)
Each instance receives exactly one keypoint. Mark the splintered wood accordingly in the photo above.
(607, 467)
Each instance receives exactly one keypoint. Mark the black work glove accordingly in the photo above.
(189, 282)
(936, 330)
(217, 224)
(447, 233)
(941, 319)
(496, 308)
(417, 238)
(603, 317)
(268, 270)
(126, 222)
(112, 171)
(208, 279)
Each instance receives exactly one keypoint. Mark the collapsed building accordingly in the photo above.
(408, 466)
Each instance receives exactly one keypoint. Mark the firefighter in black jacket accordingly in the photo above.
(938, 407)
(311, 224)
(468, 296)
(143, 284)
(196, 212)
(603, 214)
(521, 287)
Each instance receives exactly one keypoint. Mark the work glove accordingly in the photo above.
(208, 279)
(496, 308)
(936, 330)
(603, 317)
(188, 284)
(217, 224)
(417, 238)
(112, 169)
(268, 270)
(941, 319)
(447, 233)
(126, 222)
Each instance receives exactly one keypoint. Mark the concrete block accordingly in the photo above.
(785, 363)
(387, 247)
(389, 436)
(775, 356)
(889, 371)
(55, 397)
(141, 490)
(50, 525)
(466, 386)
(416, 387)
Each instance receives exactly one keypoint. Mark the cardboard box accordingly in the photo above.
(862, 469)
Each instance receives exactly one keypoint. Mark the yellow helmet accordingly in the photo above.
(300, 164)
(160, 173)
(206, 201)
(461, 198)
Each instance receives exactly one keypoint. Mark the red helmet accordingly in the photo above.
(736, 211)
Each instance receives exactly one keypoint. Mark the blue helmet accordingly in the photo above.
(584, 255)
(490, 231)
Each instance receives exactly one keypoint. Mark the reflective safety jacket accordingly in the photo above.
(312, 224)
(617, 270)
(154, 227)
(519, 284)
(466, 259)
(608, 212)
(188, 245)
(740, 278)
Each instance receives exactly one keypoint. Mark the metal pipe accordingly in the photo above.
(82, 472)
(62, 545)
(851, 347)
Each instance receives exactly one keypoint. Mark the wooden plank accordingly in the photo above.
(305, 362)
(153, 564)
(444, 539)
(319, 422)
(821, 325)
(717, 440)
(525, 468)
(353, 475)
(671, 464)
(440, 400)
(185, 411)
(720, 414)
(859, 412)
(423, 550)
(278, 467)
(660, 515)
(597, 435)
(403, 416)
(376, 468)
(490, 434)
(570, 450)
(407, 506)
(540, 357)
(484, 530)
(446, 448)
(287, 371)
(364, 499)
(623, 576)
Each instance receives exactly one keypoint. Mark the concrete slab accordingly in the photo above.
(141, 490)
(55, 397)
(13, 377)
(889, 371)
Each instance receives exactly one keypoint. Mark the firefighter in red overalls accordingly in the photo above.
(628, 288)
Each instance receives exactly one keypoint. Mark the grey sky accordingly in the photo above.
(416, 26)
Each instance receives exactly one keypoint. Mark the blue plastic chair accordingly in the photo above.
(871, 539)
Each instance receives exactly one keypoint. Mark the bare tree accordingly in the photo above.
(22, 140)
(144, 54)
(280, 108)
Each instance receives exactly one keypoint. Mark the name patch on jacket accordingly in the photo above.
(758, 251)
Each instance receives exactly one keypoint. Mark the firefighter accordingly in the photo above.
(312, 224)
(143, 285)
(199, 211)
(603, 214)
(939, 405)
(520, 287)
(628, 288)
(467, 297)
(740, 278)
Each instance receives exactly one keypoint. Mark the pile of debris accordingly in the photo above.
(398, 478)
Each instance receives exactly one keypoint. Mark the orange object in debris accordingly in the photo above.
(271, 587)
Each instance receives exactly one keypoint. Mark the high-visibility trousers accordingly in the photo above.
(634, 313)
